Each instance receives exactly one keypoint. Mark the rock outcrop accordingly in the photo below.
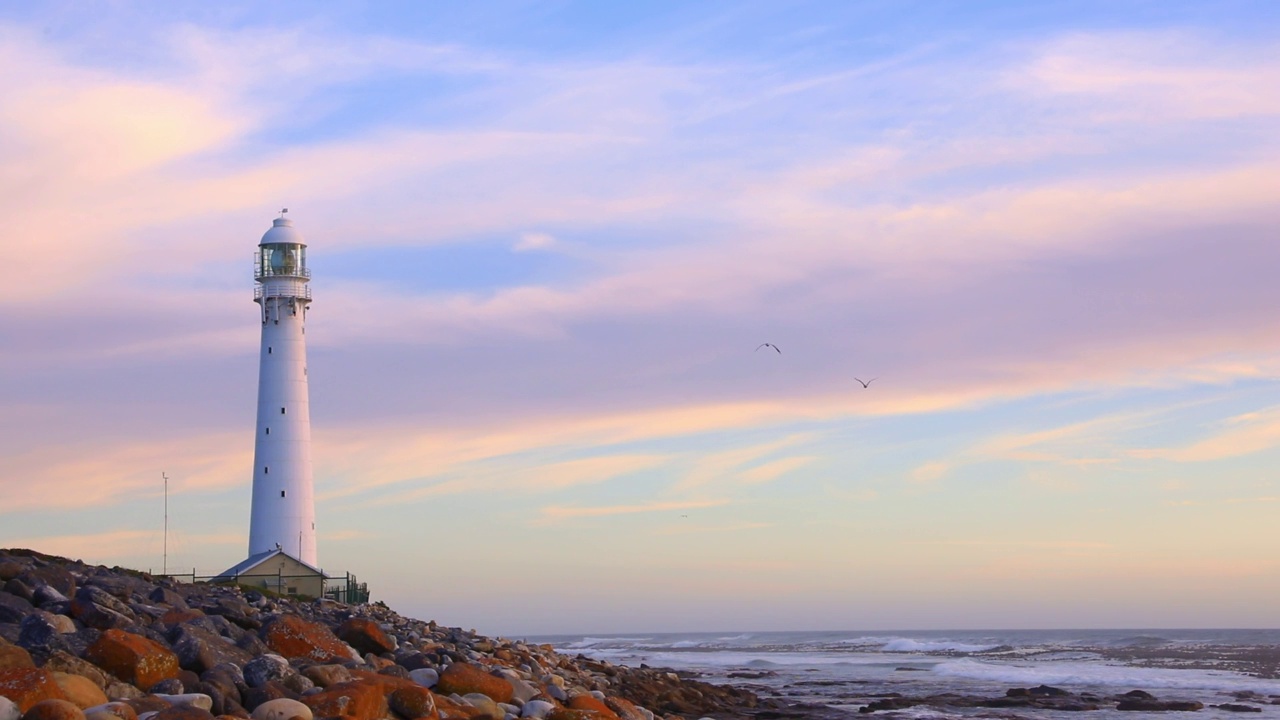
(83, 642)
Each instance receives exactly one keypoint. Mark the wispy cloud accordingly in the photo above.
(553, 513)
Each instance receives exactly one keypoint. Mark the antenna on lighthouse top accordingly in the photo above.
(283, 211)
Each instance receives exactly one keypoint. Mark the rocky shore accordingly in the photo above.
(84, 642)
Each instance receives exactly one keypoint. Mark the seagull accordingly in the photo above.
(866, 384)
(775, 347)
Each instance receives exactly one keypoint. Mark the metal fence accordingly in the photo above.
(343, 588)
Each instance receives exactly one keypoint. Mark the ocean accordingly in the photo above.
(846, 670)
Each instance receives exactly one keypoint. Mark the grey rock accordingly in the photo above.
(19, 588)
(40, 633)
(536, 709)
(9, 709)
(264, 669)
(199, 650)
(426, 677)
(46, 594)
(13, 608)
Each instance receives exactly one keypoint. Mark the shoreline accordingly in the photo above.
(106, 638)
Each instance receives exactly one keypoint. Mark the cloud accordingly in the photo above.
(1241, 435)
(770, 471)
(1164, 74)
(113, 543)
(534, 241)
(553, 513)
(930, 472)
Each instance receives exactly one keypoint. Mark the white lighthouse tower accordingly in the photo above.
(283, 516)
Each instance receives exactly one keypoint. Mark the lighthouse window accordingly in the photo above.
(268, 432)
(281, 493)
(281, 411)
(268, 349)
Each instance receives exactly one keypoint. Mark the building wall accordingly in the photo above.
(284, 575)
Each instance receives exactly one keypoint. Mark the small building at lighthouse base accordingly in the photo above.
(277, 571)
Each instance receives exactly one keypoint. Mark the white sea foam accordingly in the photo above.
(909, 645)
(588, 642)
(1072, 673)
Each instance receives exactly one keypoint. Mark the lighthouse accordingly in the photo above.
(283, 517)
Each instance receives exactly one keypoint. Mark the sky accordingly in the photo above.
(547, 239)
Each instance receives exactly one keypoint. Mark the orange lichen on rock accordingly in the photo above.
(463, 678)
(590, 702)
(450, 710)
(414, 702)
(293, 637)
(28, 686)
(388, 683)
(133, 658)
(358, 699)
(365, 636)
(562, 713)
(624, 708)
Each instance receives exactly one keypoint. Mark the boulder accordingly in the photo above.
(14, 656)
(462, 678)
(1143, 705)
(414, 702)
(563, 713)
(590, 702)
(56, 577)
(13, 608)
(28, 686)
(183, 712)
(488, 709)
(98, 609)
(426, 677)
(357, 700)
(536, 709)
(624, 709)
(59, 661)
(365, 636)
(200, 700)
(38, 632)
(326, 675)
(262, 670)
(282, 709)
(199, 650)
(9, 709)
(81, 691)
(177, 616)
(271, 690)
(133, 658)
(293, 637)
(117, 690)
(108, 711)
(53, 710)
(47, 595)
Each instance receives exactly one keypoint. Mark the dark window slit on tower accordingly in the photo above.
(281, 493)
(281, 411)
(265, 469)
(268, 349)
(268, 432)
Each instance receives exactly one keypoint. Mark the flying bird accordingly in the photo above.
(866, 384)
(775, 347)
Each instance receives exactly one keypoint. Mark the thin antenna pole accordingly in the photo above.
(165, 570)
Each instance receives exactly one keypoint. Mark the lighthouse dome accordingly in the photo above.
(282, 231)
